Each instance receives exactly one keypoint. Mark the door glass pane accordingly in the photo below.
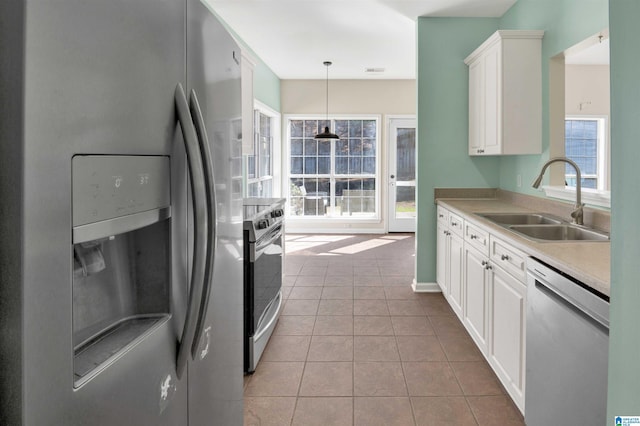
(406, 155)
(405, 201)
(406, 173)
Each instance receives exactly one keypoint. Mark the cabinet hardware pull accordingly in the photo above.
(454, 223)
(473, 237)
(504, 257)
(485, 263)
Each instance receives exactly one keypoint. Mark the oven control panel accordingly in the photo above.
(261, 215)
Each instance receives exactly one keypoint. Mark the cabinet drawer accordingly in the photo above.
(443, 215)
(456, 224)
(477, 237)
(509, 258)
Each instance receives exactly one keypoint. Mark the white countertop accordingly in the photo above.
(587, 261)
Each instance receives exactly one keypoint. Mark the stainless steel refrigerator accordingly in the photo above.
(120, 214)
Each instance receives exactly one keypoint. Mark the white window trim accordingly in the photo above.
(594, 197)
(602, 145)
(286, 156)
(589, 196)
(276, 123)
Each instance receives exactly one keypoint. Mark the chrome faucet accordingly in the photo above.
(577, 213)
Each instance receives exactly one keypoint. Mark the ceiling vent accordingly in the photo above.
(374, 70)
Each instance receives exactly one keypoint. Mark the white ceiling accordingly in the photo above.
(294, 37)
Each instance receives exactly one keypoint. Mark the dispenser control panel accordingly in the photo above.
(111, 186)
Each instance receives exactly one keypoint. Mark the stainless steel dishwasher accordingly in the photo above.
(567, 348)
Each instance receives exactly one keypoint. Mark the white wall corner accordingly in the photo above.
(425, 287)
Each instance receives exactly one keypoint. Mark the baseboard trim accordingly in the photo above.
(329, 231)
(425, 287)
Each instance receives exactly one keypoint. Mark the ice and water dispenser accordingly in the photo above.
(121, 255)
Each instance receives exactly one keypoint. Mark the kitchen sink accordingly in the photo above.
(544, 227)
(520, 218)
(561, 232)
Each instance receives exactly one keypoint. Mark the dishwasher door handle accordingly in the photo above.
(585, 313)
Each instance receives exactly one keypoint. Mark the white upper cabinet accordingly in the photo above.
(505, 94)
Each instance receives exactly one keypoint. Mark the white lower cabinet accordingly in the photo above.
(476, 282)
(455, 274)
(442, 258)
(484, 280)
(449, 258)
(506, 350)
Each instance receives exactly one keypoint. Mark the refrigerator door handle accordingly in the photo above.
(212, 217)
(198, 192)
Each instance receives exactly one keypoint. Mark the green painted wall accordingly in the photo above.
(624, 343)
(442, 85)
(266, 86)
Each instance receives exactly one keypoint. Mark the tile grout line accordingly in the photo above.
(388, 315)
(466, 400)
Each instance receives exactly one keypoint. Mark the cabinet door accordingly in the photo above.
(455, 273)
(492, 101)
(506, 348)
(476, 289)
(476, 107)
(442, 255)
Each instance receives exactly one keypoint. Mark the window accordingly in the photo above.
(259, 164)
(335, 178)
(585, 144)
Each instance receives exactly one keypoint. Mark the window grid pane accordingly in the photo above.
(259, 164)
(333, 178)
(581, 146)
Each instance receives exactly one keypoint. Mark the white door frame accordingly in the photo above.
(393, 122)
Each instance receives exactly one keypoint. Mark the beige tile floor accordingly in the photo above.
(354, 345)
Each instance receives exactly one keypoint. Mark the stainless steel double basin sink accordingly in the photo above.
(544, 227)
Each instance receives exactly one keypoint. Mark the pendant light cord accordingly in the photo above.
(326, 134)
(327, 99)
(327, 64)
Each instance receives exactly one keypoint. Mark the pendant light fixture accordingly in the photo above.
(326, 134)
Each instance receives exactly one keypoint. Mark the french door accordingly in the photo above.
(402, 175)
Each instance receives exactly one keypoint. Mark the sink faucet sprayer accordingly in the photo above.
(577, 213)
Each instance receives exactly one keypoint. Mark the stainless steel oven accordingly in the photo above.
(263, 254)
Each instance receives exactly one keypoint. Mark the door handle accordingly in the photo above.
(212, 218)
(198, 191)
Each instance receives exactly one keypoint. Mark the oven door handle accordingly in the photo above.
(212, 218)
(198, 191)
(278, 300)
(266, 241)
